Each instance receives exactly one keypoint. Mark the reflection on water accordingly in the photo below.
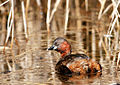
(78, 79)
(35, 65)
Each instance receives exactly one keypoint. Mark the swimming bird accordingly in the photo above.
(73, 63)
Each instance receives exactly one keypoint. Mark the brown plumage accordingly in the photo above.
(73, 63)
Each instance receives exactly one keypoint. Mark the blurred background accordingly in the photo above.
(28, 28)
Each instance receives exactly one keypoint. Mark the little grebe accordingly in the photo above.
(73, 63)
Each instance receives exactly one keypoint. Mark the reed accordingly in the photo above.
(112, 31)
(24, 18)
(86, 5)
(4, 3)
(48, 15)
(66, 16)
(54, 9)
(11, 29)
(23, 9)
(106, 38)
(102, 3)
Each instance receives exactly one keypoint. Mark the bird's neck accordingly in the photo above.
(65, 53)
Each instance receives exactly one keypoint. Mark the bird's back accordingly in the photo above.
(77, 63)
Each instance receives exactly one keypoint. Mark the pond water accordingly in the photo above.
(34, 65)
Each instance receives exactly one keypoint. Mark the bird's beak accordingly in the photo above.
(53, 47)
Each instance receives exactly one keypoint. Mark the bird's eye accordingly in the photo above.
(56, 44)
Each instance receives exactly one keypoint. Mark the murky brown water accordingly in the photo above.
(35, 65)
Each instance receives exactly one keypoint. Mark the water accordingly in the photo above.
(34, 65)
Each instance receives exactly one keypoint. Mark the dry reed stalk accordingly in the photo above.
(23, 53)
(112, 25)
(13, 57)
(12, 4)
(115, 20)
(108, 41)
(115, 15)
(86, 5)
(9, 24)
(66, 16)
(8, 64)
(108, 7)
(26, 12)
(116, 44)
(2, 47)
(48, 15)
(24, 19)
(4, 3)
(27, 6)
(101, 42)
(13, 63)
(38, 2)
(102, 3)
(118, 59)
(54, 9)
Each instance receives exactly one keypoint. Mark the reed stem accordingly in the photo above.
(66, 16)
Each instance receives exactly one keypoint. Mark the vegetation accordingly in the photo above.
(65, 15)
